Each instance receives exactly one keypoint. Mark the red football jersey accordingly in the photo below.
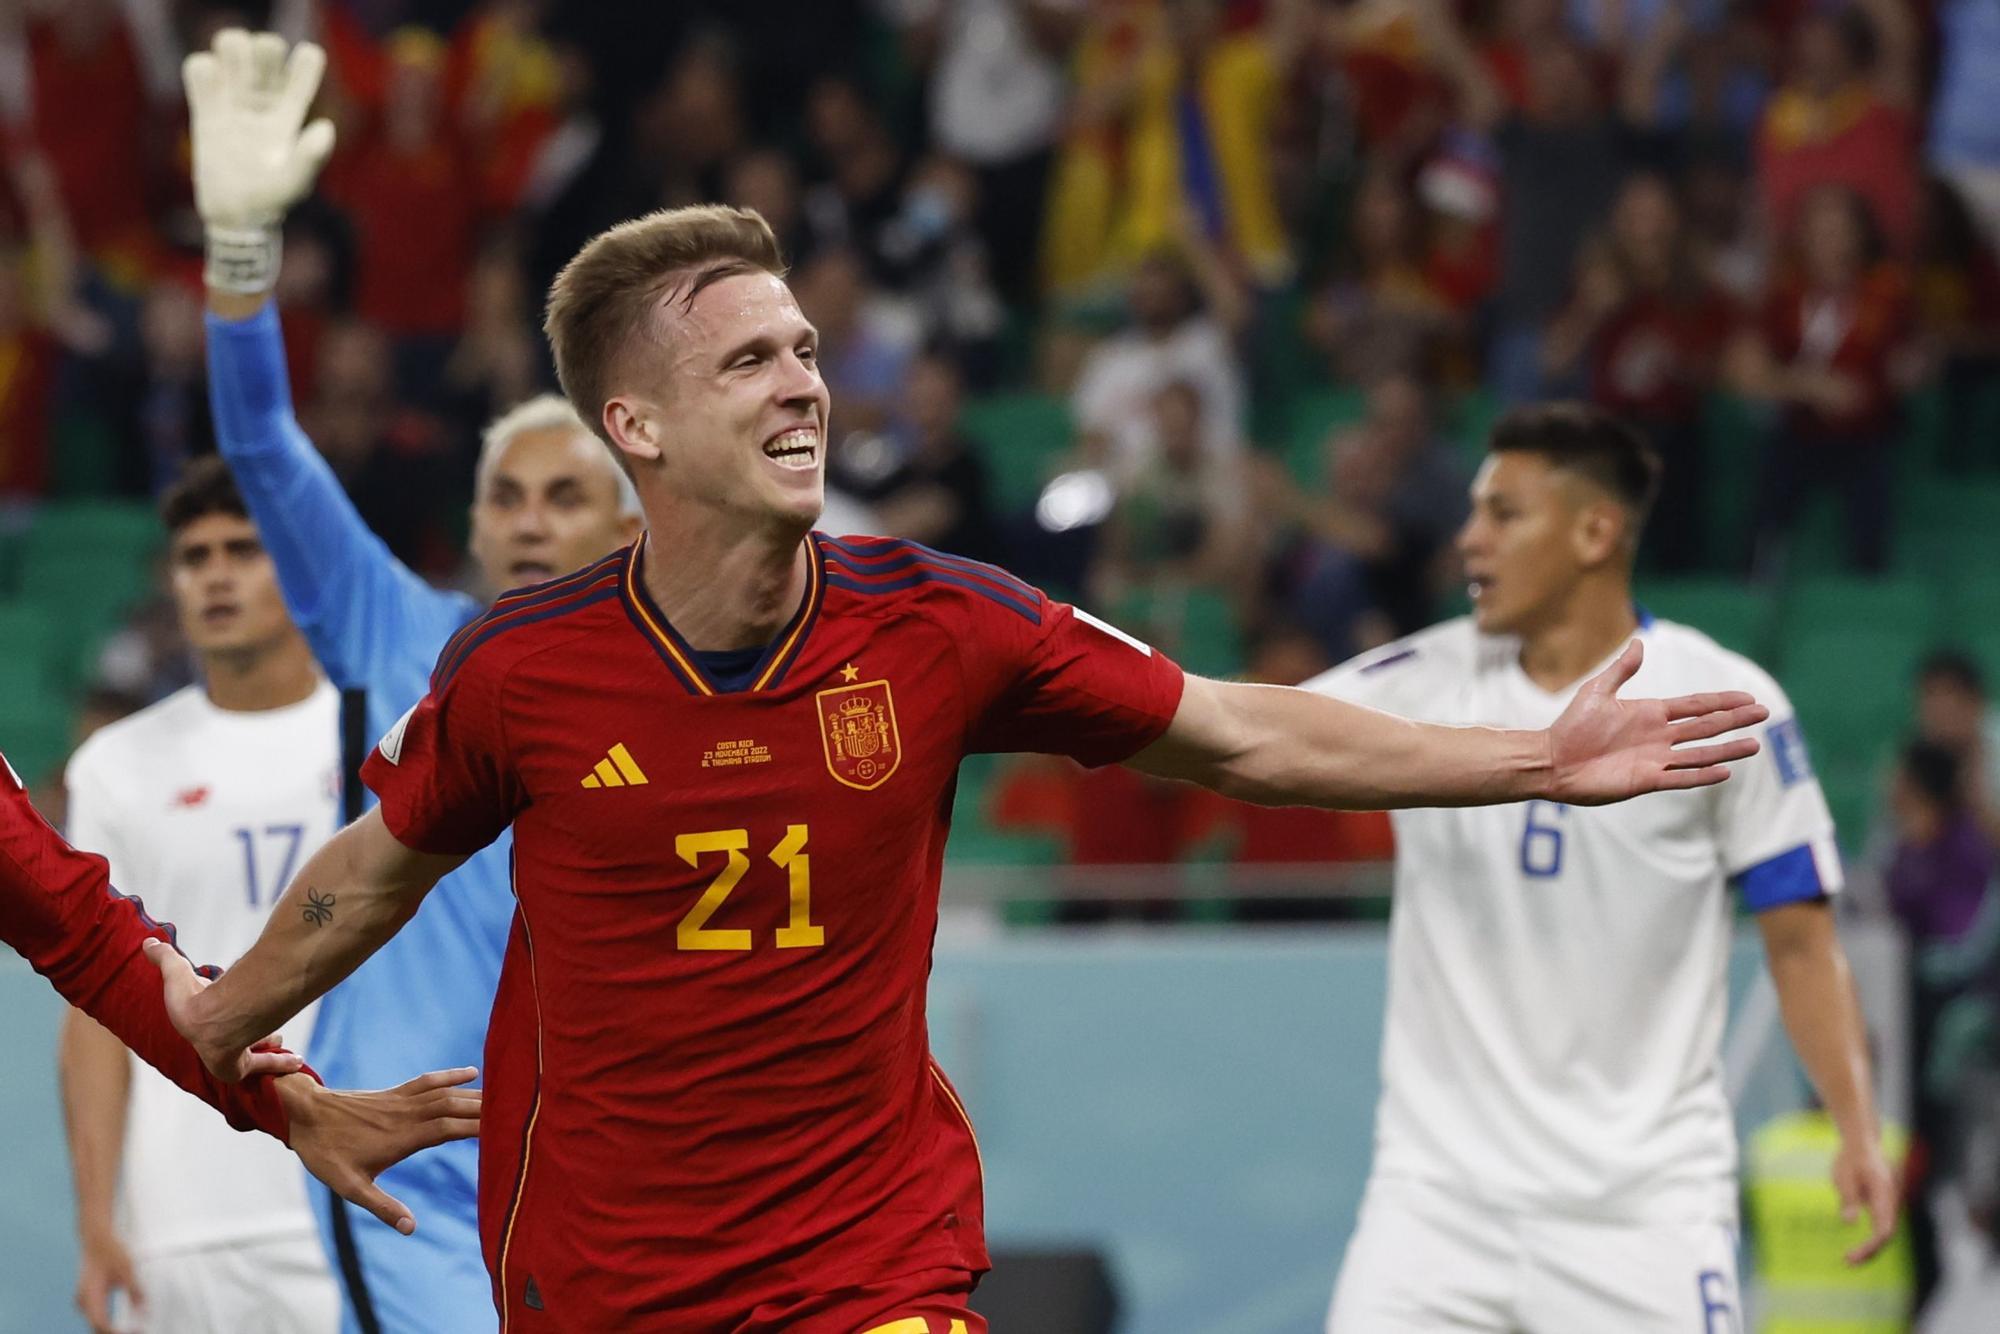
(709, 1084)
(57, 907)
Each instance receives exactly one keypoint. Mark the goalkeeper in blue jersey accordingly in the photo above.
(548, 499)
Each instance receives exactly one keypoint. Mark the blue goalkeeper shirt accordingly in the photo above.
(420, 1002)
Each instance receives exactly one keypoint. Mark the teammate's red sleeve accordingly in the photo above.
(58, 909)
(442, 772)
(1063, 683)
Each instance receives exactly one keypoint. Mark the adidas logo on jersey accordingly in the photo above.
(616, 769)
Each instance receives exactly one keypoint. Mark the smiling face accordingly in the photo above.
(548, 504)
(728, 407)
(225, 587)
(1535, 532)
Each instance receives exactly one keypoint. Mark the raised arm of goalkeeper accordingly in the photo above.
(254, 158)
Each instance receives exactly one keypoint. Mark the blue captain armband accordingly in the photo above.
(1789, 877)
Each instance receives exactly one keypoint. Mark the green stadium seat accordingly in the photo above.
(1985, 649)
(1901, 608)
(35, 722)
(1313, 416)
(1852, 687)
(29, 640)
(1972, 603)
(1854, 793)
(92, 528)
(1022, 435)
(1194, 626)
(1735, 615)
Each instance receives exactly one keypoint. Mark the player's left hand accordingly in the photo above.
(183, 987)
(1604, 749)
(347, 1139)
(1866, 1183)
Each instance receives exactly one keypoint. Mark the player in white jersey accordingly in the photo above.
(210, 798)
(1553, 1149)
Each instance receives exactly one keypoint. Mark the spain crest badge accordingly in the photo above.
(858, 725)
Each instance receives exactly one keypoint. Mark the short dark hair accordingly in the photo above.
(1935, 771)
(204, 487)
(1954, 667)
(1584, 440)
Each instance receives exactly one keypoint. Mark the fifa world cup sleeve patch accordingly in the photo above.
(1788, 749)
(391, 744)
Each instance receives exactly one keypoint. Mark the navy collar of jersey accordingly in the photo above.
(685, 662)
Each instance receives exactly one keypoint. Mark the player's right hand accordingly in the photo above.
(1867, 1184)
(182, 989)
(246, 104)
(106, 1267)
(348, 1139)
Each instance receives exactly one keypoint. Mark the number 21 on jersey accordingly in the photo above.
(694, 933)
(1542, 839)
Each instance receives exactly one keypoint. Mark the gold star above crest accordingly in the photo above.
(849, 672)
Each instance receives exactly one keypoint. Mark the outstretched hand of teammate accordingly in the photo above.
(1867, 1184)
(348, 1139)
(254, 155)
(1604, 749)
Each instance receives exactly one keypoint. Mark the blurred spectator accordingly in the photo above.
(1826, 350)
(167, 411)
(1383, 311)
(84, 99)
(1940, 885)
(409, 159)
(1845, 115)
(692, 125)
(1964, 144)
(1943, 865)
(924, 480)
(1957, 306)
(940, 265)
(1697, 78)
(498, 361)
(1179, 523)
(40, 318)
(143, 661)
(1184, 316)
(315, 283)
(858, 180)
(1954, 711)
(864, 346)
(1562, 152)
(392, 459)
(1368, 555)
(766, 180)
(1170, 130)
(996, 104)
(1644, 333)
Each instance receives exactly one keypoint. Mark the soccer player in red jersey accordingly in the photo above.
(728, 754)
(59, 911)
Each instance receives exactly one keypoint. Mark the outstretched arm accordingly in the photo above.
(58, 909)
(253, 161)
(1280, 746)
(1823, 1018)
(342, 906)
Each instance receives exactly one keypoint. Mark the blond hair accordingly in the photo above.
(543, 412)
(606, 294)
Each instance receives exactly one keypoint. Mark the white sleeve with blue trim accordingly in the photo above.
(1773, 827)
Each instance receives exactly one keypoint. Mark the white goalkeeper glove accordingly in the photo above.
(252, 161)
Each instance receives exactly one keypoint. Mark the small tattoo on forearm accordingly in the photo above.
(319, 907)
